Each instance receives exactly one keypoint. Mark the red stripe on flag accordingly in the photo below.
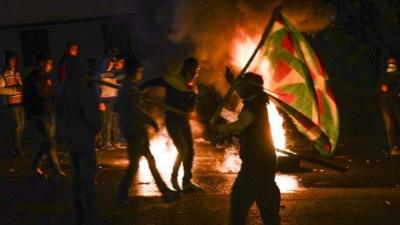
(282, 70)
(287, 43)
(285, 97)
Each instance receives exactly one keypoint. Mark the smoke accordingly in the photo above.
(210, 26)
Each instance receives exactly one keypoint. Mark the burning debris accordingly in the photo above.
(216, 28)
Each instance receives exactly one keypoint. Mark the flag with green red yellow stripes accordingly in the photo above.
(298, 83)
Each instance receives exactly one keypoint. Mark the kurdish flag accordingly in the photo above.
(299, 85)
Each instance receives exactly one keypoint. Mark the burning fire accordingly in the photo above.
(244, 47)
(242, 51)
(164, 152)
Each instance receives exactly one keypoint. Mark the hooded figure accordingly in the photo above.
(11, 80)
(81, 124)
(256, 179)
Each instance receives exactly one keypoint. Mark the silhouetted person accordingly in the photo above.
(71, 50)
(11, 78)
(81, 119)
(389, 89)
(256, 179)
(39, 102)
(133, 121)
(180, 95)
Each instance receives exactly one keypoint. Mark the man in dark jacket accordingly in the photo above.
(39, 102)
(389, 91)
(180, 94)
(133, 121)
(256, 179)
(81, 119)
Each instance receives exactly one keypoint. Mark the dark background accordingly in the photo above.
(353, 48)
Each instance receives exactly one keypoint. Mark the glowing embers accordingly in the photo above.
(164, 153)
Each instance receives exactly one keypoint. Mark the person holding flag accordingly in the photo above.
(298, 84)
(256, 179)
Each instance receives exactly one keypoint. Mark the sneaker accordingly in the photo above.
(57, 177)
(119, 146)
(175, 184)
(191, 187)
(108, 147)
(37, 173)
(395, 151)
(171, 196)
(127, 201)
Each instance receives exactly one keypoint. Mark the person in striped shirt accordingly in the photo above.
(11, 79)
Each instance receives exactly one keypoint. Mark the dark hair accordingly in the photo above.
(392, 60)
(42, 56)
(120, 56)
(253, 79)
(69, 44)
(132, 66)
(190, 62)
(8, 54)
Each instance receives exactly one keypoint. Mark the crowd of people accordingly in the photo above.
(91, 106)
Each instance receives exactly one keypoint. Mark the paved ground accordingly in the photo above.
(368, 194)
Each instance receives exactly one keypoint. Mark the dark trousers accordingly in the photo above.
(83, 170)
(138, 145)
(251, 187)
(48, 145)
(183, 141)
(18, 119)
(110, 131)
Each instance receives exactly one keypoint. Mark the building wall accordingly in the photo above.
(14, 12)
(87, 34)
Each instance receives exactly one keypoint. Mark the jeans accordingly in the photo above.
(110, 131)
(83, 170)
(18, 119)
(181, 135)
(48, 145)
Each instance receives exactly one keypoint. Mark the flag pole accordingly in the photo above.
(314, 160)
(234, 84)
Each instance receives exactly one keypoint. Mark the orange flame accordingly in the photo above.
(243, 48)
(242, 51)
(164, 152)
